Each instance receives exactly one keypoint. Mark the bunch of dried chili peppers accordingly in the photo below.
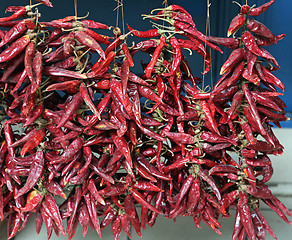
(106, 139)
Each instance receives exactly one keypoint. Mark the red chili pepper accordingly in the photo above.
(270, 78)
(102, 174)
(36, 171)
(155, 57)
(34, 198)
(248, 133)
(22, 11)
(52, 210)
(250, 43)
(100, 65)
(94, 24)
(70, 151)
(54, 188)
(202, 174)
(149, 94)
(98, 37)
(236, 23)
(214, 138)
(209, 117)
(63, 85)
(46, 2)
(125, 223)
(259, 10)
(150, 168)
(196, 34)
(90, 42)
(262, 41)
(232, 43)
(255, 113)
(127, 54)
(147, 34)
(92, 213)
(60, 72)
(16, 31)
(85, 95)
(14, 49)
(140, 199)
(176, 57)
(24, 139)
(260, 29)
(235, 57)
(130, 210)
(29, 55)
(75, 103)
(245, 215)
(265, 101)
(277, 210)
(93, 190)
(182, 138)
(146, 186)
(33, 142)
(265, 223)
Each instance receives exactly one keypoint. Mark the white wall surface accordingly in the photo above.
(184, 228)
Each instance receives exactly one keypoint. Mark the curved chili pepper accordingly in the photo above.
(176, 58)
(28, 58)
(94, 24)
(260, 29)
(14, 49)
(232, 43)
(90, 42)
(214, 138)
(60, 72)
(255, 113)
(197, 34)
(236, 23)
(130, 210)
(33, 142)
(250, 43)
(140, 199)
(37, 66)
(53, 211)
(182, 138)
(35, 174)
(46, 2)
(245, 215)
(34, 198)
(235, 57)
(155, 57)
(202, 174)
(147, 34)
(70, 151)
(259, 10)
(209, 117)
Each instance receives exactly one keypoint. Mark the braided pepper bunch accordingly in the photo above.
(107, 139)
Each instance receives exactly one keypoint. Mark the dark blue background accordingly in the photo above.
(278, 18)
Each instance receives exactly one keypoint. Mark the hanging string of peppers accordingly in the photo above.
(106, 139)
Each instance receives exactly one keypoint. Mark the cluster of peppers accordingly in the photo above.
(107, 140)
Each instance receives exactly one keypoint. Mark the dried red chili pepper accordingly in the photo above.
(147, 34)
(155, 57)
(90, 42)
(235, 57)
(36, 171)
(232, 43)
(259, 10)
(236, 23)
(14, 49)
(33, 142)
(130, 210)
